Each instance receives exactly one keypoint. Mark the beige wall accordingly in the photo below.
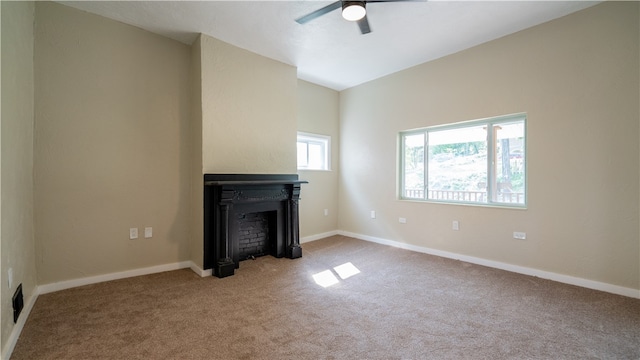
(111, 145)
(18, 247)
(248, 111)
(577, 79)
(318, 113)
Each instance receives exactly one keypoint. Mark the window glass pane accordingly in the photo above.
(458, 164)
(413, 166)
(316, 155)
(509, 163)
(302, 154)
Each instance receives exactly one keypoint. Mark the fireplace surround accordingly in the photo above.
(229, 198)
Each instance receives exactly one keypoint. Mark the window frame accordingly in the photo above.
(491, 163)
(323, 140)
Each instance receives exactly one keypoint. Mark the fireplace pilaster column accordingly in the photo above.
(225, 265)
(294, 250)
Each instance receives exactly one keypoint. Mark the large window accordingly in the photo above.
(476, 162)
(314, 152)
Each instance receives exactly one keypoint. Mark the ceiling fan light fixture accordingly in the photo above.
(353, 10)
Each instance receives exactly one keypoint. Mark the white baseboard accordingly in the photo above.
(19, 325)
(318, 236)
(572, 280)
(62, 285)
(196, 269)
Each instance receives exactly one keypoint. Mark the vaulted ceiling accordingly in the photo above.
(329, 50)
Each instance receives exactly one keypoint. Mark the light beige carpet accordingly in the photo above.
(401, 305)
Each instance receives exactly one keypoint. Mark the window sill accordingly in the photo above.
(329, 170)
(494, 206)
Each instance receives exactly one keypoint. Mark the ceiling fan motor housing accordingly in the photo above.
(353, 10)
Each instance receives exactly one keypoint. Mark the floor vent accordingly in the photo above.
(18, 303)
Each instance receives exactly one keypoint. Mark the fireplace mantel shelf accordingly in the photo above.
(253, 182)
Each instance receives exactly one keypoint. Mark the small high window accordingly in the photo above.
(476, 162)
(314, 152)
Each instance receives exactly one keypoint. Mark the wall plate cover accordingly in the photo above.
(519, 235)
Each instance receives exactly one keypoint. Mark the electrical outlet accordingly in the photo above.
(148, 232)
(402, 220)
(455, 225)
(133, 233)
(519, 235)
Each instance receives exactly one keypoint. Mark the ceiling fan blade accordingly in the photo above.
(364, 25)
(319, 12)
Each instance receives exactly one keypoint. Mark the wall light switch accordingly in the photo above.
(10, 277)
(133, 233)
(519, 235)
(455, 225)
(326, 212)
(402, 220)
(373, 214)
(148, 232)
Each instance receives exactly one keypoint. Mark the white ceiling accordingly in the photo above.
(329, 50)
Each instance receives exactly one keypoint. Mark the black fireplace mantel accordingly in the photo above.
(226, 195)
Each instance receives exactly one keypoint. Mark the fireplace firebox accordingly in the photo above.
(235, 204)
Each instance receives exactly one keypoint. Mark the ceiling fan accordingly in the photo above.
(351, 10)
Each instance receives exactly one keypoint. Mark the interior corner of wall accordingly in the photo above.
(197, 39)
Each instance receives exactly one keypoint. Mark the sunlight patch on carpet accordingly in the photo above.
(346, 270)
(327, 278)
